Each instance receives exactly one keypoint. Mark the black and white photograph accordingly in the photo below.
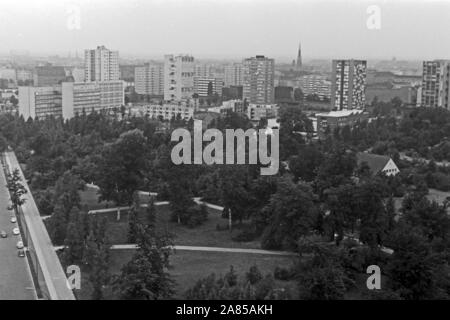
(224, 156)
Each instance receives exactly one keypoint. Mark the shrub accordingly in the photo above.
(254, 275)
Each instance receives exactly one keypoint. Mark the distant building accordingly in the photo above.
(315, 85)
(258, 80)
(101, 64)
(348, 84)
(435, 84)
(330, 121)
(256, 112)
(77, 74)
(70, 98)
(202, 86)
(230, 105)
(40, 102)
(169, 111)
(149, 79)
(233, 75)
(24, 75)
(378, 163)
(203, 71)
(178, 77)
(91, 96)
(45, 76)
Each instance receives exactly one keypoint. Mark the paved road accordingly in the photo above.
(213, 249)
(15, 279)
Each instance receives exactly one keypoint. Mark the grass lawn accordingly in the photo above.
(189, 266)
(203, 235)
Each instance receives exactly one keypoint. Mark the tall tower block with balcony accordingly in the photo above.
(178, 77)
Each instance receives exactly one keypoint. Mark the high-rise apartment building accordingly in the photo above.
(101, 64)
(178, 77)
(149, 79)
(435, 84)
(348, 84)
(258, 80)
(233, 75)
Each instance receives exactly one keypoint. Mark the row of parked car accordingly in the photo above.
(15, 232)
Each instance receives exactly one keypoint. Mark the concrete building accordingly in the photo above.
(77, 74)
(258, 80)
(101, 64)
(348, 84)
(91, 96)
(149, 79)
(435, 84)
(168, 111)
(70, 98)
(203, 70)
(178, 77)
(45, 76)
(40, 102)
(202, 86)
(230, 105)
(233, 75)
(328, 122)
(257, 112)
(317, 85)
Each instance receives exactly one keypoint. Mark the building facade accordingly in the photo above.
(330, 121)
(317, 85)
(70, 98)
(40, 102)
(206, 86)
(178, 77)
(46, 76)
(91, 96)
(169, 111)
(233, 75)
(435, 84)
(101, 64)
(348, 84)
(149, 79)
(258, 80)
(257, 112)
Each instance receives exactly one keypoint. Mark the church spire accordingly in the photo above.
(299, 56)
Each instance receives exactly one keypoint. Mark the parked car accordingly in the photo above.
(21, 253)
(16, 231)
(3, 234)
(19, 245)
(13, 220)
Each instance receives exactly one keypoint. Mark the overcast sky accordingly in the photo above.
(415, 29)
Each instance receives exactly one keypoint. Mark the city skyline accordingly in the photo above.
(235, 30)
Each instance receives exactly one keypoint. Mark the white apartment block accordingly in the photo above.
(149, 79)
(315, 85)
(178, 77)
(70, 98)
(258, 80)
(91, 96)
(233, 75)
(101, 64)
(204, 84)
(40, 102)
(169, 111)
(435, 84)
